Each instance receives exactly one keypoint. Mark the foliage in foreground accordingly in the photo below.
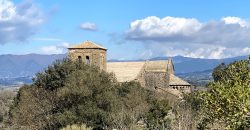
(69, 93)
(6, 99)
(228, 100)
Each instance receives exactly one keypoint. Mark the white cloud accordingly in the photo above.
(171, 36)
(52, 50)
(235, 20)
(227, 31)
(195, 51)
(246, 50)
(210, 53)
(65, 44)
(88, 26)
(7, 10)
(55, 49)
(18, 22)
(153, 28)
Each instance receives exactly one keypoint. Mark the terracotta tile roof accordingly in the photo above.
(174, 80)
(87, 45)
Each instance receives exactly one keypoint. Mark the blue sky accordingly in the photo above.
(131, 29)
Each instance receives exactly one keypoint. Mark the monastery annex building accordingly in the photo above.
(153, 75)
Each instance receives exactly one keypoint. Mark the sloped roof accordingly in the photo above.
(156, 66)
(125, 71)
(87, 45)
(128, 71)
(174, 80)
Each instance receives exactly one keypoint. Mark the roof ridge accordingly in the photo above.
(87, 45)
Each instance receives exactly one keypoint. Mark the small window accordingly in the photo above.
(79, 59)
(87, 60)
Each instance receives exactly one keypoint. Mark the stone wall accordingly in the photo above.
(96, 57)
(159, 81)
(152, 80)
(155, 79)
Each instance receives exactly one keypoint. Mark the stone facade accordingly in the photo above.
(153, 75)
(155, 80)
(89, 53)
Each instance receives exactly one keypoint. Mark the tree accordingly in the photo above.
(135, 102)
(156, 117)
(63, 94)
(228, 98)
(185, 111)
(33, 108)
(88, 97)
(68, 93)
(219, 72)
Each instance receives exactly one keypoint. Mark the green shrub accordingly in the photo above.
(228, 98)
(68, 93)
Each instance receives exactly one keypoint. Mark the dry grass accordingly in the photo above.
(76, 127)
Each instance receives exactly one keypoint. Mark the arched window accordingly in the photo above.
(79, 59)
(87, 60)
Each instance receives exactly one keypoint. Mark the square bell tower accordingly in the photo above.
(89, 53)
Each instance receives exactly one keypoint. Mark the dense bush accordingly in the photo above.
(69, 93)
(228, 99)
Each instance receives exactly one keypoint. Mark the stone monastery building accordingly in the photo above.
(154, 75)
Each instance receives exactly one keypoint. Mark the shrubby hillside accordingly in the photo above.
(71, 94)
(6, 100)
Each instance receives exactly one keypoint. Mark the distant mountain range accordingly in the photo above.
(17, 69)
(12, 66)
(188, 65)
